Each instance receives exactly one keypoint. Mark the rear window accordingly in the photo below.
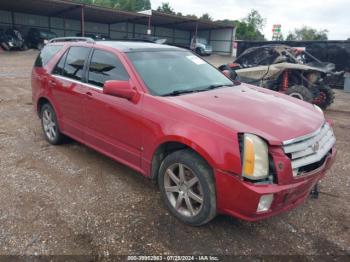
(46, 54)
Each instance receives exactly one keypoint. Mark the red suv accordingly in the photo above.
(213, 145)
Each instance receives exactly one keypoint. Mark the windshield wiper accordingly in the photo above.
(180, 92)
(214, 87)
(187, 91)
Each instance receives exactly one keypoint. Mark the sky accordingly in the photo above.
(333, 15)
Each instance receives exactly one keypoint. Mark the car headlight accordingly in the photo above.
(318, 109)
(255, 157)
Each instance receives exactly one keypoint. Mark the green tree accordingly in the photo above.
(255, 20)
(248, 28)
(166, 8)
(246, 31)
(191, 16)
(206, 16)
(306, 33)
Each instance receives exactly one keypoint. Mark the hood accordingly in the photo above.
(247, 109)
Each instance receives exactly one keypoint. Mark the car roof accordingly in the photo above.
(136, 46)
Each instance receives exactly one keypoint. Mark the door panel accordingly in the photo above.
(69, 97)
(113, 123)
(68, 91)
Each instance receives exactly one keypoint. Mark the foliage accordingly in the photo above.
(254, 20)
(166, 8)
(191, 16)
(206, 16)
(308, 33)
(249, 28)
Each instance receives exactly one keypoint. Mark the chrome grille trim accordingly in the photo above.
(311, 148)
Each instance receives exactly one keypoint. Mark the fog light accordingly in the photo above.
(265, 203)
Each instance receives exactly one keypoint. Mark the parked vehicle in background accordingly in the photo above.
(38, 38)
(200, 46)
(333, 51)
(292, 71)
(3, 40)
(213, 145)
(11, 39)
(95, 36)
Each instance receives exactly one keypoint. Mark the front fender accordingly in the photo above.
(215, 143)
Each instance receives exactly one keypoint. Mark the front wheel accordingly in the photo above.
(300, 92)
(199, 51)
(187, 187)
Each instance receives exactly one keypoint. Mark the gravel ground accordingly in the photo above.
(70, 199)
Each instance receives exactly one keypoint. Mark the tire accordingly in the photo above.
(326, 96)
(300, 92)
(50, 126)
(195, 189)
(24, 47)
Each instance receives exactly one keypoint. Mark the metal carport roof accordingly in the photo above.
(93, 13)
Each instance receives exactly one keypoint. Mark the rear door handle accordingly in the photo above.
(89, 95)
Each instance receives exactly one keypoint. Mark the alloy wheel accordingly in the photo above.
(183, 190)
(49, 125)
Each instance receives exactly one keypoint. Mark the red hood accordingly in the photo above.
(271, 115)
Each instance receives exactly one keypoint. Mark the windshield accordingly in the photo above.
(202, 41)
(166, 72)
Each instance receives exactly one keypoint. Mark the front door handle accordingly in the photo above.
(52, 82)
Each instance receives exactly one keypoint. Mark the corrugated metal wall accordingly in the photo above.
(221, 40)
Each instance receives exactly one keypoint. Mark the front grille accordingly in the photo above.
(307, 150)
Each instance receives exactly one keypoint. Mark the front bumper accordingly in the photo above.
(239, 198)
(207, 52)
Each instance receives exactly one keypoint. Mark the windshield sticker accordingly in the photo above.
(196, 60)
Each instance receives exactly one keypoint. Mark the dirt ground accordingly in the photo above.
(70, 199)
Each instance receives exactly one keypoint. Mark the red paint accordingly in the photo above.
(130, 130)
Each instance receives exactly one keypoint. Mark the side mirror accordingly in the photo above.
(122, 89)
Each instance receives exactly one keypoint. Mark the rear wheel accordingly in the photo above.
(50, 125)
(325, 97)
(300, 92)
(187, 187)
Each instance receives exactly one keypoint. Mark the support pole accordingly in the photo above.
(64, 26)
(149, 31)
(12, 19)
(196, 30)
(82, 21)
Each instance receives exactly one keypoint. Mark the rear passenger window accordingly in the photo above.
(58, 70)
(74, 65)
(46, 54)
(105, 66)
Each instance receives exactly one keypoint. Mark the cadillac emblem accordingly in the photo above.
(315, 147)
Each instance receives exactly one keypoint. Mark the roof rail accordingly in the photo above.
(72, 39)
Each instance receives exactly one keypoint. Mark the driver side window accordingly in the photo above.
(105, 66)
